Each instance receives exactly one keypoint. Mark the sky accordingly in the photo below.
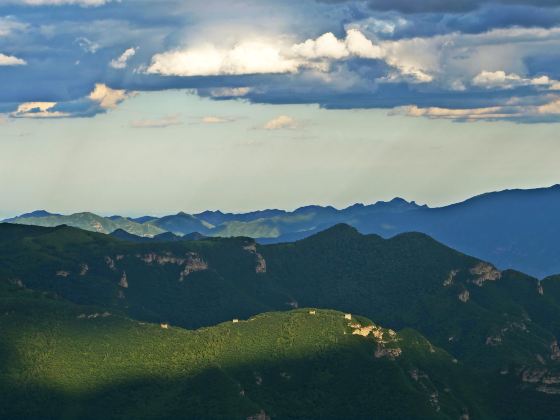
(143, 107)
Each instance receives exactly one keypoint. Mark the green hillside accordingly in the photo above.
(65, 361)
(188, 283)
(459, 302)
(500, 326)
(180, 224)
(91, 222)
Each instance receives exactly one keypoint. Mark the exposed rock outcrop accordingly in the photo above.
(363, 331)
(548, 390)
(540, 289)
(193, 263)
(554, 350)
(497, 339)
(450, 278)
(260, 265)
(390, 353)
(427, 386)
(97, 227)
(382, 337)
(123, 281)
(434, 400)
(533, 375)
(62, 273)
(110, 263)
(259, 416)
(95, 315)
(417, 375)
(494, 340)
(485, 272)
(84, 268)
(258, 379)
(161, 259)
(544, 380)
(464, 296)
(17, 282)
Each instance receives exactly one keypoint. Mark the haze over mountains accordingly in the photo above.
(517, 229)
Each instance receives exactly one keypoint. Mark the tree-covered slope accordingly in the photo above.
(190, 283)
(463, 304)
(501, 325)
(60, 360)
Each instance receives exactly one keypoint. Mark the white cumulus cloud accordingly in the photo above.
(502, 80)
(122, 61)
(38, 110)
(10, 60)
(249, 57)
(281, 122)
(237, 92)
(512, 111)
(211, 119)
(263, 56)
(328, 46)
(453, 60)
(108, 98)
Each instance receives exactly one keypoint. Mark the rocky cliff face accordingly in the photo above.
(485, 272)
(110, 262)
(193, 263)
(386, 339)
(260, 262)
(84, 268)
(161, 259)
(544, 380)
(450, 278)
(188, 263)
(123, 281)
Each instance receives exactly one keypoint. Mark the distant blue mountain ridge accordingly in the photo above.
(518, 229)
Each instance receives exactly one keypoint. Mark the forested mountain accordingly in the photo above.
(69, 361)
(87, 221)
(498, 327)
(515, 229)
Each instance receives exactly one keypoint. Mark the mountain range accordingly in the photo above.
(339, 324)
(517, 229)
